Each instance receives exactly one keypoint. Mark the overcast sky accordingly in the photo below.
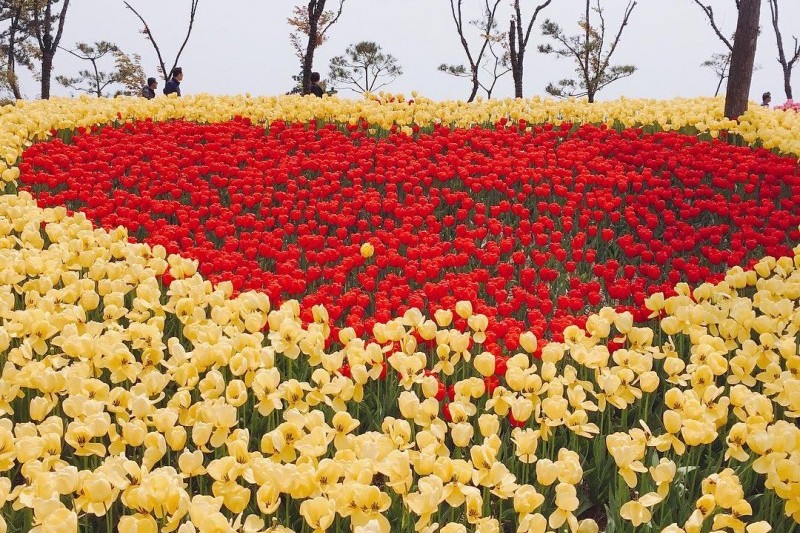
(242, 46)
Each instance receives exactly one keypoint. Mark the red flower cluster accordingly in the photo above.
(535, 228)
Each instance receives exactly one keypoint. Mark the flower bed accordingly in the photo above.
(789, 105)
(138, 396)
(535, 228)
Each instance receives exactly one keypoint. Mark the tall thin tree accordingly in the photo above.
(743, 58)
(497, 66)
(127, 72)
(588, 50)
(786, 63)
(742, 52)
(312, 24)
(162, 67)
(14, 43)
(487, 27)
(47, 26)
(364, 67)
(518, 42)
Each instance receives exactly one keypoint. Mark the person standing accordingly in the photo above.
(766, 98)
(315, 88)
(174, 83)
(149, 90)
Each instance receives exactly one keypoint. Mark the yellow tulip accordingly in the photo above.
(425, 501)
(528, 341)
(234, 497)
(462, 434)
(464, 309)
(52, 517)
(488, 424)
(443, 317)
(138, 523)
(397, 468)
(367, 250)
(566, 503)
(546, 472)
(527, 500)
(637, 511)
(485, 363)
(532, 523)
(371, 502)
(96, 494)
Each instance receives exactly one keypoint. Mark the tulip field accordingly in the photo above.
(238, 314)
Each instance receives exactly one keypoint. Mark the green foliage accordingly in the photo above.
(588, 50)
(127, 71)
(364, 67)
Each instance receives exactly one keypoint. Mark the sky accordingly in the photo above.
(242, 46)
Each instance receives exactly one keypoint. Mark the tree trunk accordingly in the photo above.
(11, 72)
(47, 72)
(516, 60)
(787, 81)
(315, 9)
(742, 58)
(13, 81)
(719, 86)
(475, 85)
(517, 71)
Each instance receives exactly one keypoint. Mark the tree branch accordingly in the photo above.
(37, 25)
(459, 20)
(192, 13)
(709, 11)
(333, 20)
(490, 14)
(628, 11)
(62, 16)
(149, 35)
(524, 42)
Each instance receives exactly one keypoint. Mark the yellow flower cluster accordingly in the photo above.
(115, 391)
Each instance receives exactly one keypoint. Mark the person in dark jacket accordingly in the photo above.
(315, 89)
(174, 83)
(149, 90)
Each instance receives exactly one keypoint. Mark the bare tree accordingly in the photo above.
(743, 57)
(149, 34)
(719, 63)
(500, 64)
(311, 24)
(487, 26)
(128, 71)
(709, 11)
(742, 50)
(46, 24)
(588, 50)
(786, 64)
(492, 65)
(364, 68)
(518, 43)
